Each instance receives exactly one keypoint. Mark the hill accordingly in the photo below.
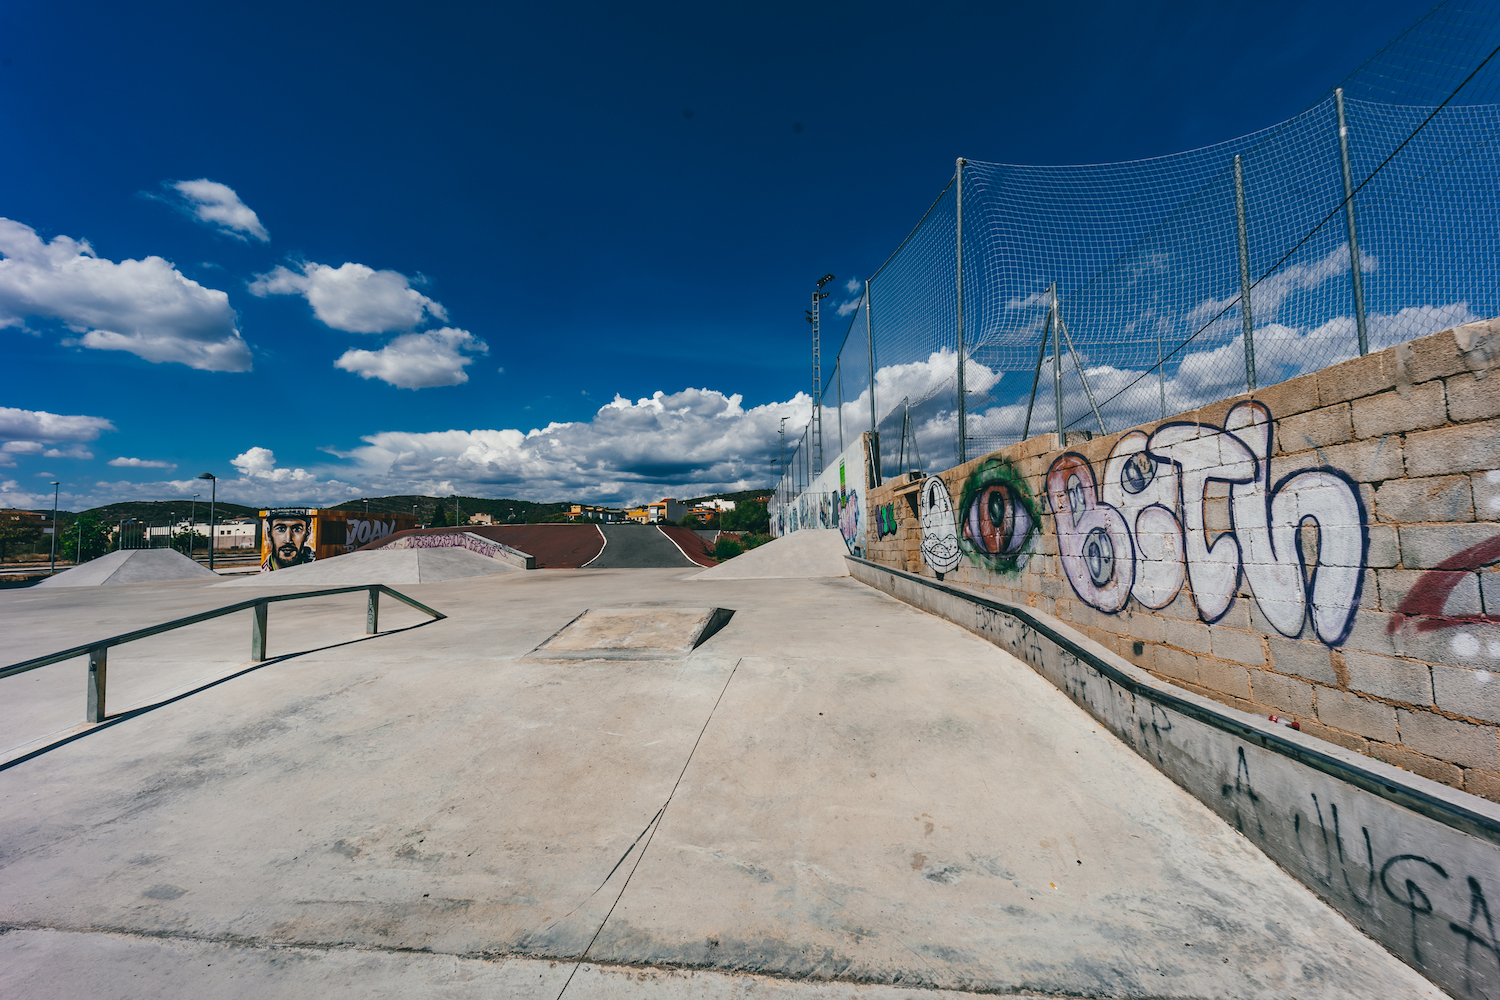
(162, 511)
(500, 510)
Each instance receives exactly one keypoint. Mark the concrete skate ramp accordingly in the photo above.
(390, 566)
(130, 566)
(813, 552)
(638, 546)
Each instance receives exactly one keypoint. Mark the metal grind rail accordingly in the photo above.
(98, 651)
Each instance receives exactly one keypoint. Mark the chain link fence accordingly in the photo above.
(1102, 296)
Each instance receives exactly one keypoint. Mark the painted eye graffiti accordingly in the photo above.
(998, 523)
(998, 517)
(1137, 473)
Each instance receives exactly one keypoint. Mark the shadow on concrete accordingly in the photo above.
(115, 720)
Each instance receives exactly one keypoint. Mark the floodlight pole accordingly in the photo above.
(816, 437)
(1349, 223)
(959, 241)
(54, 528)
(1239, 218)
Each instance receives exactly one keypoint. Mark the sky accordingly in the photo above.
(552, 252)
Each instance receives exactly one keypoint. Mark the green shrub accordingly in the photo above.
(727, 548)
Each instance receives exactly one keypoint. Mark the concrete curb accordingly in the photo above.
(1412, 863)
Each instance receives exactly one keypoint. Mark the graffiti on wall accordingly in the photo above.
(288, 538)
(1425, 606)
(885, 520)
(999, 517)
(1299, 542)
(362, 531)
(939, 531)
(830, 501)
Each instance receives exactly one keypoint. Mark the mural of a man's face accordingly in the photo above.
(288, 536)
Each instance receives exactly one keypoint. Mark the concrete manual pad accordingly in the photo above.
(806, 554)
(838, 791)
(130, 566)
(650, 633)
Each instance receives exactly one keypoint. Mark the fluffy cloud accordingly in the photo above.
(260, 463)
(39, 425)
(146, 307)
(686, 443)
(218, 205)
(353, 297)
(418, 360)
(140, 463)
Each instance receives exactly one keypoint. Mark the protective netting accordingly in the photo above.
(1143, 262)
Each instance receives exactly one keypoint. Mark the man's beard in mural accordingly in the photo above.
(288, 537)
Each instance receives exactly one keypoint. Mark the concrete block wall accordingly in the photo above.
(1327, 549)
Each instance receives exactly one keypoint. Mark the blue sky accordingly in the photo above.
(336, 250)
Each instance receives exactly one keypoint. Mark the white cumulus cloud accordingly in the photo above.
(418, 360)
(353, 297)
(146, 307)
(684, 444)
(219, 206)
(141, 463)
(260, 463)
(39, 425)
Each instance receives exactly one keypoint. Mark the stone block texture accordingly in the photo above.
(1326, 548)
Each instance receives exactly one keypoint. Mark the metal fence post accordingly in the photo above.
(258, 615)
(1057, 399)
(1239, 216)
(372, 612)
(962, 391)
(98, 669)
(1354, 260)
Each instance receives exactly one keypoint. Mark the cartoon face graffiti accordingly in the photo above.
(999, 517)
(939, 531)
(287, 540)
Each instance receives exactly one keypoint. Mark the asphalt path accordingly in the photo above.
(635, 546)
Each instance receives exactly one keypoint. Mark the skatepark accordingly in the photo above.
(639, 778)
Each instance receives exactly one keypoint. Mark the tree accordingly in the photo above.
(748, 515)
(440, 515)
(17, 529)
(95, 538)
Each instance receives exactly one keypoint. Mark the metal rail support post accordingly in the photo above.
(1057, 400)
(258, 616)
(98, 671)
(372, 613)
(1036, 375)
(1239, 218)
(963, 426)
(1349, 223)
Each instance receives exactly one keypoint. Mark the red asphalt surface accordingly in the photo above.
(691, 544)
(555, 546)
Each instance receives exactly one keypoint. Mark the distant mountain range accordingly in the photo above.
(170, 511)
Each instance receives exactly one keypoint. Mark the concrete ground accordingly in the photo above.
(636, 546)
(836, 795)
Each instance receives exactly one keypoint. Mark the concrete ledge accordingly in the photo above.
(465, 540)
(1413, 863)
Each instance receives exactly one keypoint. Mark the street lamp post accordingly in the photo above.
(212, 496)
(54, 529)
